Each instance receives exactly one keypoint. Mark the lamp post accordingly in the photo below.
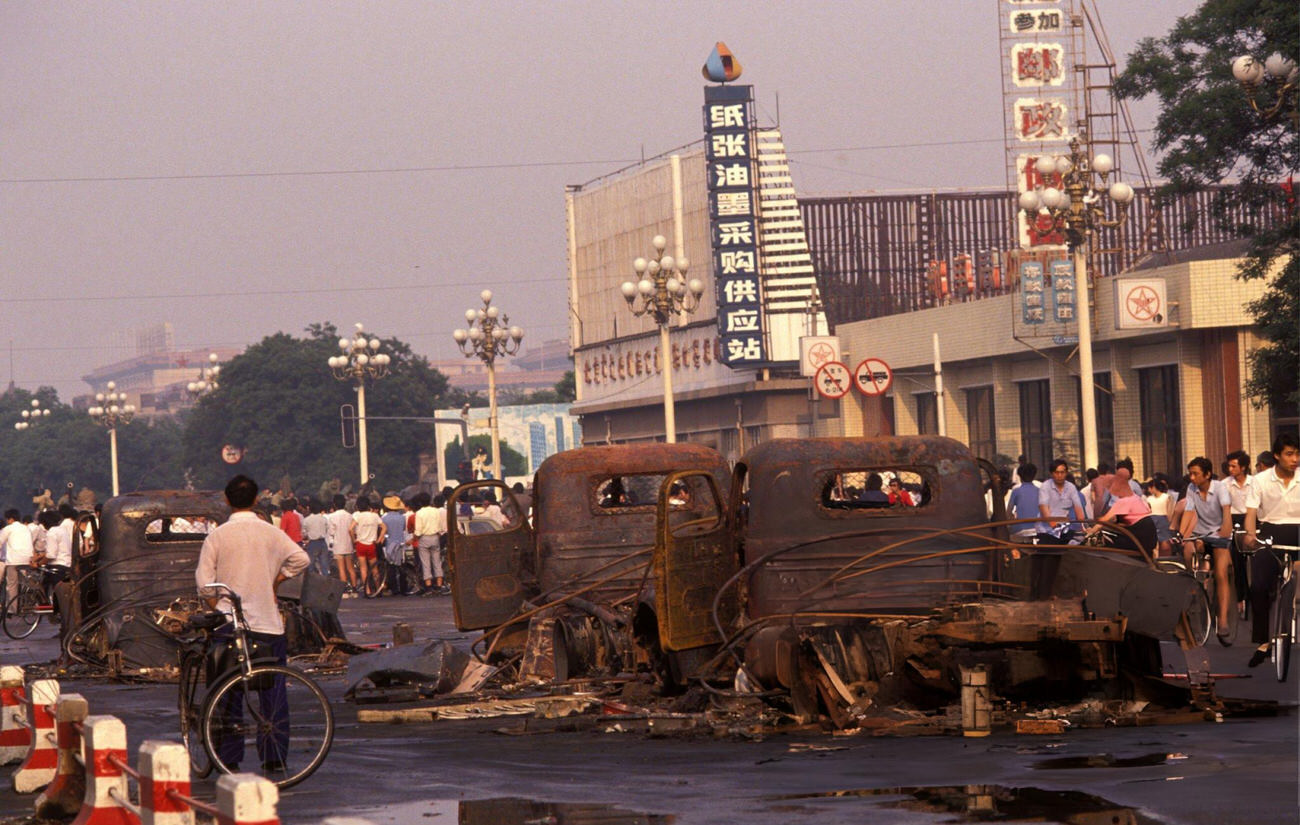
(664, 294)
(208, 376)
(1077, 210)
(109, 411)
(32, 416)
(489, 335)
(1278, 74)
(360, 359)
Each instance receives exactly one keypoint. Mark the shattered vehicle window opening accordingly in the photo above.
(627, 492)
(877, 490)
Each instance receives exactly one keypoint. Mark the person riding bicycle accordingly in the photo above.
(16, 548)
(1130, 511)
(1272, 511)
(252, 557)
(1207, 522)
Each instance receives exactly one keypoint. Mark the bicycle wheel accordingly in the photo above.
(191, 708)
(283, 731)
(21, 613)
(1200, 616)
(1284, 629)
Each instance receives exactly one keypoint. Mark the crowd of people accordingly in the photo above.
(384, 545)
(1196, 516)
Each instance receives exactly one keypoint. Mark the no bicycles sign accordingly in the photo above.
(873, 377)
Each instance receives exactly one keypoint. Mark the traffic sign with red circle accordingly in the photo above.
(832, 380)
(873, 377)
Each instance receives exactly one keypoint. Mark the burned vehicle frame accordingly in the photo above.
(132, 584)
(852, 598)
(795, 577)
(576, 593)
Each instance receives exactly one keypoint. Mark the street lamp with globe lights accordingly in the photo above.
(663, 293)
(358, 360)
(1278, 74)
(1077, 209)
(32, 416)
(208, 376)
(489, 335)
(109, 411)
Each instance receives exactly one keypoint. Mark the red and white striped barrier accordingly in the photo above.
(15, 736)
(106, 801)
(246, 799)
(81, 761)
(165, 784)
(61, 799)
(37, 769)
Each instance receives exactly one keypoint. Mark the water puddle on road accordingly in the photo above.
(528, 812)
(1106, 760)
(983, 803)
(512, 811)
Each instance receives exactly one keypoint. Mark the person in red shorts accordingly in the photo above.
(367, 532)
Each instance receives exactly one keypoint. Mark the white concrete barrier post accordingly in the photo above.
(37, 769)
(164, 767)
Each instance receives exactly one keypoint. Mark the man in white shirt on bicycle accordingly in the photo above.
(15, 550)
(1272, 511)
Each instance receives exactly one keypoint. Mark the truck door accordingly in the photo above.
(490, 550)
(693, 557)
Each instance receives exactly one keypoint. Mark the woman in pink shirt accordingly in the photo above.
(1131, 512)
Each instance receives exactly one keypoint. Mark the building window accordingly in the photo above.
(927, 414)
(1105, 406)
(1162, 427)
(980, 420)
(1036, 423)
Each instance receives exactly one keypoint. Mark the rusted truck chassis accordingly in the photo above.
(797, 575)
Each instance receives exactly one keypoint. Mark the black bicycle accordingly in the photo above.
(257, 715)
(31, 601)
(1285, 625)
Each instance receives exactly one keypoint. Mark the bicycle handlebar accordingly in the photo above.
(1267, 542)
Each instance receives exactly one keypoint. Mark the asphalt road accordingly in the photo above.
(1241, 771)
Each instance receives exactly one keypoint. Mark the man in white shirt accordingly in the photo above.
(252, 557)
(315, 530)
(58, 544)
(339, 539)
(1238, 481)
(1272, 511)
(430, 531)
(15, 551)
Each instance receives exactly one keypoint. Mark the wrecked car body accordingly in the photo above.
(573, 590)
(849, 582)
(132, 584)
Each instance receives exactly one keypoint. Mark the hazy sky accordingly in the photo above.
(242, 168)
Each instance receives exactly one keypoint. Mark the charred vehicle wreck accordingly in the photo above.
(797, 579)
(132, 586)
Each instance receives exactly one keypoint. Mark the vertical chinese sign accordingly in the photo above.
(1036, 62)
(733, 217)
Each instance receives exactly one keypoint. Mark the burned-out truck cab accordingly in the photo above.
(870, 571)
(132, 584)
(576, 587)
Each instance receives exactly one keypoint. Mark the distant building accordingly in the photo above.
(155, 378)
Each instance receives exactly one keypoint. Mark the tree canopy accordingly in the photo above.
(1210, 134)
(279, 402)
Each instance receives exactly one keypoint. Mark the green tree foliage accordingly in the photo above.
(513, 463)
(68, 448)
(1211, 135)
(279, 401)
